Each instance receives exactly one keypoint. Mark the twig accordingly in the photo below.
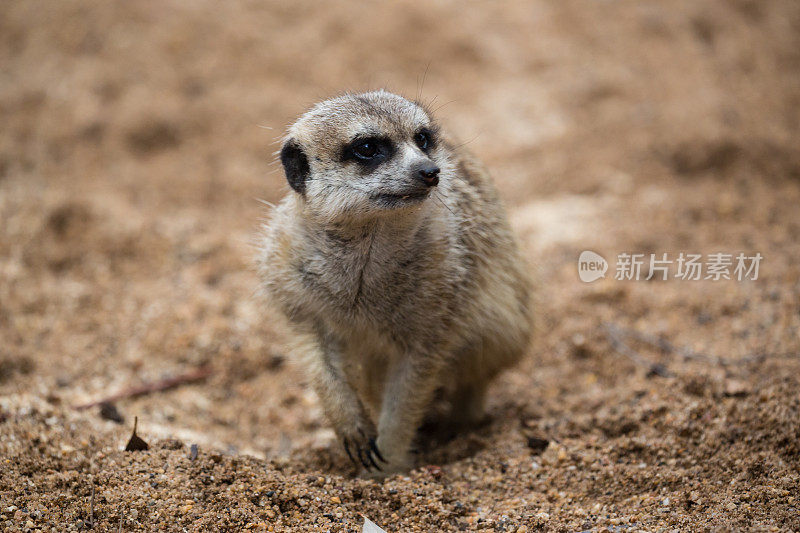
(615, 336)
(665, 346)
(148, 388)
(687, 353)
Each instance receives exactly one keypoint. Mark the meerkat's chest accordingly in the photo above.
(379, 281)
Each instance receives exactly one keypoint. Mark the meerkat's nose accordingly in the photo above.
(429, 174)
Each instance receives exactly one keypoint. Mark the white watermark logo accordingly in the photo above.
(684, 266)
(591, 266)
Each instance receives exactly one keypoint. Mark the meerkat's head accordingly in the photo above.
(360, 156)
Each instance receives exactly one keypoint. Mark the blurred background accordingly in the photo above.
(137, 137)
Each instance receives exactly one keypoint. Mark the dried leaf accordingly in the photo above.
(136, 443)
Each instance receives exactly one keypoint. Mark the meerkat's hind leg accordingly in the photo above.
(460, 410)
(435, 427)
(467, 405)
(456, 409)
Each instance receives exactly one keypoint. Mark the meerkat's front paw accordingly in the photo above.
(360, 445)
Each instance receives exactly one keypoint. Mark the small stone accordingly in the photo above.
(335, 499)
(580, 348)
(434, 470)
(537, 443)
(553, 454)
(736, 389)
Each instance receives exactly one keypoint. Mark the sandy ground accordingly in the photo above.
(136, 138)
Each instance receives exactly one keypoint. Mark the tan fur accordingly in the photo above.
(389, 305)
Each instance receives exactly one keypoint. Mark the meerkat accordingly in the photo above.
(394, 263)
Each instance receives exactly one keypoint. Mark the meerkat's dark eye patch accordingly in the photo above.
(368, 151)
(295, 165)
(424, 139)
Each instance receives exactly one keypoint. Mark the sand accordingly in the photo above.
(137, 138)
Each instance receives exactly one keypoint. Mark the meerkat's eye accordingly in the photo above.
(368, 152)
(424, 139)
(365, 149)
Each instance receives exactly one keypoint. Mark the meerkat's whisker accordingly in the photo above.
(442, 105)
(441, 201)
(269, 204)
(456, 147)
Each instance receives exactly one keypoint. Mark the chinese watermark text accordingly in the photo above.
(681, 266)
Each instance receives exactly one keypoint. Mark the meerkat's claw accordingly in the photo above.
(368, 454)
(362, 457)
(364, 454)
(375, 451)
(346, 443)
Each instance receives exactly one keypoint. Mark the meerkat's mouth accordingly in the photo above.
(397, 200)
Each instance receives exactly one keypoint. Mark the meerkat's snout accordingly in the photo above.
(427, 172)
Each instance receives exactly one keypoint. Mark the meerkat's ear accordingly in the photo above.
(295, 165)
